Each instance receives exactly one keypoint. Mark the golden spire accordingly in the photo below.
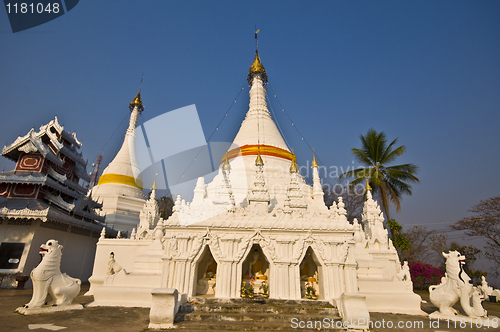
(368, 185)
(259, 161)
(137, 101)
(257, 68)
(314, 163)
(153, 187)
(293, 167)
(226, 166)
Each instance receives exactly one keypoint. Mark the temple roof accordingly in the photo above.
(52, 133)
(333, 221)
(37, 209)
(62, 184)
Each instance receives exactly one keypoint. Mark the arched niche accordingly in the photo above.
(255, 273)
(310, 270)
(205, 274)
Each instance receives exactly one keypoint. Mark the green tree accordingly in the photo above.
(399, 240)
(165, 205)
(485, 223)
(419, 238)
(388, 183)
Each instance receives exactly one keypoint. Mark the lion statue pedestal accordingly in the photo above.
(48, 279)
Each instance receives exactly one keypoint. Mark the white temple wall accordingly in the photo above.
(78, 249)
(185, 248)
(18, 232)
(124, 254)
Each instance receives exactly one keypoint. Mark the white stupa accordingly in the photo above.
(120, 187)
(258, 223)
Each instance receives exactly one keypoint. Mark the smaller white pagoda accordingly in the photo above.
(120, 187)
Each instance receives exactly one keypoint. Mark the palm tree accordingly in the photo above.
(388, 183)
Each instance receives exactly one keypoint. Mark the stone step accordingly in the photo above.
(264, 308)
(254, 314)
(246, 301)
(249, 326)
(251, 317)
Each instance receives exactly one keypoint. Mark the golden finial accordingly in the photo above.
(226, 166)
(257, 68)
(293, 167)
(259, 161)
(314, 163)
(137, 102)
(368, 185)
(153, 187)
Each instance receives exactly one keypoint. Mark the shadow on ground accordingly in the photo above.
(96, 319)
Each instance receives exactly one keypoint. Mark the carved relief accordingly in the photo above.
(174, 247)
(210, 239)
(27, 148)
(264, 242)
(309, 240)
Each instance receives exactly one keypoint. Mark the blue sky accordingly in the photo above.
(427, 72)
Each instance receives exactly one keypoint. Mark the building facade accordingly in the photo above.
(42, 198)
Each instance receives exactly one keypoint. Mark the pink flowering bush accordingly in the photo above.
(424, 275)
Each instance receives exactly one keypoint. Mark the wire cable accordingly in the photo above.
(213, 132)
(293, 124)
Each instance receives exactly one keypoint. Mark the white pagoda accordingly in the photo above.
(120, 187)
(256, 224)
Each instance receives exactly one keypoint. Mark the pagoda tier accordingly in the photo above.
(45, 182)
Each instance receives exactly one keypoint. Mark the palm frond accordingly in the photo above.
(362, 157)
(394, 197)
(388, 183)
(390, 156)
(400, 188)
(403, 172)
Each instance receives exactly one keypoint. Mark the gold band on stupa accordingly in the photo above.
(120, 179)
(254, 150)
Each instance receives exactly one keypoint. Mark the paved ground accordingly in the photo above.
(137, 319)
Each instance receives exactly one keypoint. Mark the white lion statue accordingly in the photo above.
(456, 286)
(48, 279)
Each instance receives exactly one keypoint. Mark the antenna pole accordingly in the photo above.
(256, 40)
